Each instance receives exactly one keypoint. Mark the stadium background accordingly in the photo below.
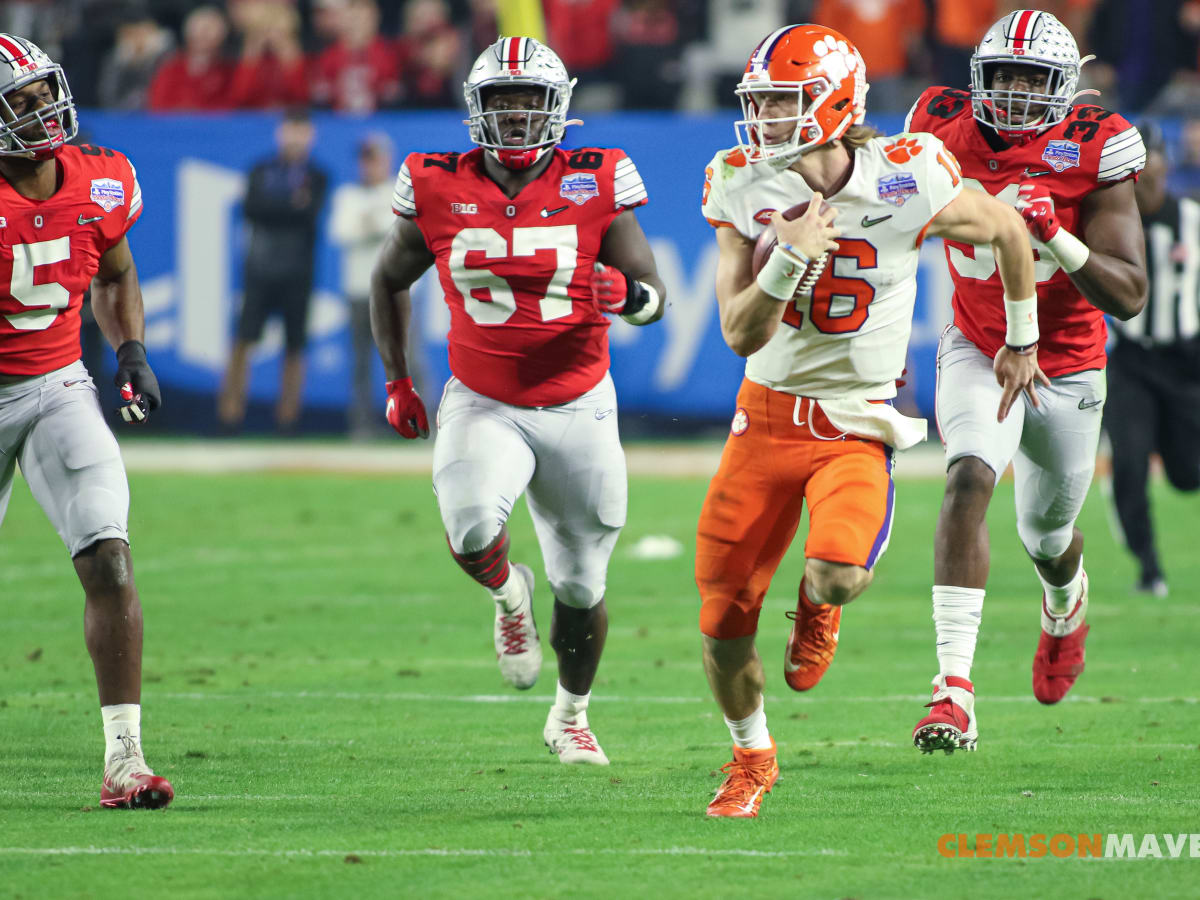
(396, 67)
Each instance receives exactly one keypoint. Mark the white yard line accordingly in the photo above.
(603, 699)
(422, 851)
(681, 459)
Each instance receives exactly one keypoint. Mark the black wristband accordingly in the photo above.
(131, 352)
(1023, 351)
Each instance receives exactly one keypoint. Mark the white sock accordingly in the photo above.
(751, 732)
(570, 708)
(1060, 599)
(957, 612)
(510, 594)
(122, 729)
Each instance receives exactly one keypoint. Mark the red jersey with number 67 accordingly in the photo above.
(50, 250)
(1088, 150)
(515, 272)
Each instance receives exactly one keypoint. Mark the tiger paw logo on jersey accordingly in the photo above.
(108, 193)
(903, 150)
(896, 189)
(579, 189)
(741, 422)
(1061, 155)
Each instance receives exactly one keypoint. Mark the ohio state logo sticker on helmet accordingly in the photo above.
(740, 423)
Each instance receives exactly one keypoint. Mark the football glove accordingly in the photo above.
(615, 292)
(405, 411)
(1037, 209)
(135, 380)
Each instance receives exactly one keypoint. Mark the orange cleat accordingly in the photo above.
(750, 774)
(811, 644)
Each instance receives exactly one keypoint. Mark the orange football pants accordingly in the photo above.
(781, 451)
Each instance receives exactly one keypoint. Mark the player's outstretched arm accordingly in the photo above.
(752, 307)
(117, 305)
(1109, 264)
(402, 260)
(626, 280)
(974, 217)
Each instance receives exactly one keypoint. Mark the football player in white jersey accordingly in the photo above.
(824, 325)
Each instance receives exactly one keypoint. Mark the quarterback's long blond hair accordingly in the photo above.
(856, 136)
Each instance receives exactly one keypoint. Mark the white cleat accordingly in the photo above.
(518, 648)
(573, 741)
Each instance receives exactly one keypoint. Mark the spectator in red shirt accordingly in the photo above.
(360, 72)
(271, 72)
(429, 52)
(581, 31)
(197, 76)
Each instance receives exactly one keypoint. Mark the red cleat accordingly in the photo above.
(129, 784)
(1059, 658)
(950, 724)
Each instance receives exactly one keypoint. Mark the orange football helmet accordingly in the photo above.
(829, 78)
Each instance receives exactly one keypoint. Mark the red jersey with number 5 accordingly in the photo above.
(1088, 150)
(50, 250)
(515, 272)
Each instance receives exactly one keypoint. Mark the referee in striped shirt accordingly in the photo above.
(1153, 401)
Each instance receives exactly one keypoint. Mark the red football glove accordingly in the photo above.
(405, 411)
(1037, 209)
(609, 288)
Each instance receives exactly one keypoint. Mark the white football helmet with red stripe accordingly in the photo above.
(1027, 37)
(828, 77)
(38, 132)
(518, 62)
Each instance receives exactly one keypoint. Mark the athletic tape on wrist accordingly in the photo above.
(649, 308)
(1021, 322)
(781, 274)
(1069, 250)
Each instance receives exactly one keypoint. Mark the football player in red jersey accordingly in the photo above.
(1069, 170)
(535, 246)
(64, 212)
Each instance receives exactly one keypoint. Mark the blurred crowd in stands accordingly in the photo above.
(357, 56)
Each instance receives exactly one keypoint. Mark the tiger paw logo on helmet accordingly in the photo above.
(902, 150)
(837, 58)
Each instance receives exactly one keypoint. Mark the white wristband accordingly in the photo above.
(1021, 319)
(649, 310)
(1069, 250)
(781, 274)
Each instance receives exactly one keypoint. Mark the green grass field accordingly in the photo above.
(321, 690)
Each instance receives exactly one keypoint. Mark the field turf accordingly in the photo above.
(321, 690)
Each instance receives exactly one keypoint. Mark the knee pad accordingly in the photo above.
(1043, 541)
(470, 529)
(577, 595)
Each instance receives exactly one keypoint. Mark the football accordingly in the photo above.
(768, 239)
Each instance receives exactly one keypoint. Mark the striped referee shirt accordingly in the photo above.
(1172, 311)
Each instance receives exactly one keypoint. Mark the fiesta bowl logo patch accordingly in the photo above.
(896, 189)
(107, 193)
(579, 188)
(741, 421)
(1060, 155)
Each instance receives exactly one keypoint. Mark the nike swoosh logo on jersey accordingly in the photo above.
(1088, 404)
(83, 221)
(1030, 173)
(603, 413)
(867, 221)
(547, 213)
